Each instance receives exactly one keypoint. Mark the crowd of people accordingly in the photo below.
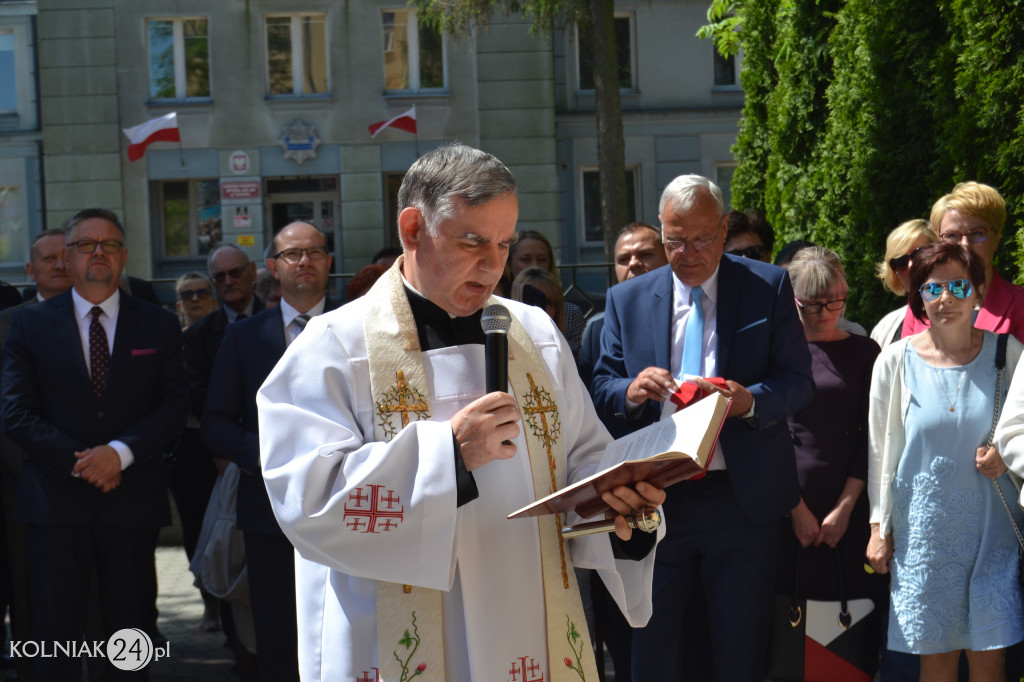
(343, 479)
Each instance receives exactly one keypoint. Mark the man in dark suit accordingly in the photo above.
(94, 393)
(47, 267)
(233, 275)
(709, 315)
(301, 262)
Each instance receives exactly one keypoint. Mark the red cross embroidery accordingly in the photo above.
(530, 671)
(365, 677)
(373, 511)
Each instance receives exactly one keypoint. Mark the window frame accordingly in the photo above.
(178, 47)
(160, 216)
(298, 70)
(737, 66)
(633, 85)
(24, 115)
(635, 169)
(412, 28)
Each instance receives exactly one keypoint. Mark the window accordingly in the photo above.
(723, 178)
(624, 43)
(413, 54)
(13, 225)
(17, 75)
(189, 211)
(727, 70)
(592, 203)
(179, 59)
(297, 55)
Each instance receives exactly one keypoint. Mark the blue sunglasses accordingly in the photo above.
(960, 288)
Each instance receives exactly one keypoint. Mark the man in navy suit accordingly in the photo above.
(94, 394)
(301, 262)
(710, 315)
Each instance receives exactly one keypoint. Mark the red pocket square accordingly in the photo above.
(143, 351)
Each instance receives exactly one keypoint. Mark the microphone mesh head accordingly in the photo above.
(496, 319)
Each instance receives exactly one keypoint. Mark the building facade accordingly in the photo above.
(274, 99)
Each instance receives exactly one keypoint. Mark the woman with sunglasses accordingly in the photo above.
(894, 271)
(195, 298)
(973, 215)
(937, 522)
(830, 441)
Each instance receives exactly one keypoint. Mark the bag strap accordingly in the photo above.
(1000, 371)
(796, 612)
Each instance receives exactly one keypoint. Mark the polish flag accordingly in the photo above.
(163, 129)
(406, 122)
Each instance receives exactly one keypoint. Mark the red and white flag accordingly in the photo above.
(163, 129)
(406, 122)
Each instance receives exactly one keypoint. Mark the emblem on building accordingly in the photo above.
(299, 141)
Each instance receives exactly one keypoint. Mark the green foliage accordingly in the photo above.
(723, 27)
(460, 18)
(859, 114)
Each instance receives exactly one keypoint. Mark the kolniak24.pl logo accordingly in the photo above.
(127, 649)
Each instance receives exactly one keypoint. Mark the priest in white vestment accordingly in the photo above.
(392, 472)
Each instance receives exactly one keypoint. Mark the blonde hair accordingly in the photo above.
(549, 284)
(816, 272)
(898, 243)
(974, 199)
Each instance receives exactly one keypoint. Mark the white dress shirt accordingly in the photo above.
(288, 315)
(682, 306)
(83, 316)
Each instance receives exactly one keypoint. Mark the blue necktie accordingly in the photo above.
(693, 343)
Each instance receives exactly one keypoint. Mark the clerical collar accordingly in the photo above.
(438, 329)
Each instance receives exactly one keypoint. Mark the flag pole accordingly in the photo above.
(181, 154)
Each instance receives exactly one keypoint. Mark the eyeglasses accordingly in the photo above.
(960, 288)
(188, 295)
(700, 244)
(972, 237)
(901, 263)
(755, 252)
(233, 273)
(815, 308)
(295, 255)
(110, 246)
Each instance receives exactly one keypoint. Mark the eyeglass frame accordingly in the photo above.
(749, 252)
(307, 251)
(189, 294)
(975, 236)
(902, 263)
(102, 243)
(233, 273)
(816, 308)
(945, 286)
(700, 244)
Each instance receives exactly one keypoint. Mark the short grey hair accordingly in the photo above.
(816, 272)
(686, 190)
(217, 248)
(454, 173)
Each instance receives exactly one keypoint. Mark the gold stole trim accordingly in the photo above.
(409, 619)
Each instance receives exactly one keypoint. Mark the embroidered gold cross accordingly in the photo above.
(401, 399)
(537, 405)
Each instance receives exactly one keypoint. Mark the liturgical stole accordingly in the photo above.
(399, 388)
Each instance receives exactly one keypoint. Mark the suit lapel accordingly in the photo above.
(67, 332)
(661, 320)
(728, 306)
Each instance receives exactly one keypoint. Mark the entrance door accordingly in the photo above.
(311, 200)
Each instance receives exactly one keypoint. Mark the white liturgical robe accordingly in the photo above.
(359, 511)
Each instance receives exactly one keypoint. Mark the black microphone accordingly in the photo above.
(496, 321)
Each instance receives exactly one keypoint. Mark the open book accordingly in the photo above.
(663, 453)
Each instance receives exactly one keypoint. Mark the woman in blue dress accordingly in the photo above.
(936, 519)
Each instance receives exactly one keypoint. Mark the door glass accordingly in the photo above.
(284, 213)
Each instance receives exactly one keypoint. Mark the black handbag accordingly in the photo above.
(823, 641)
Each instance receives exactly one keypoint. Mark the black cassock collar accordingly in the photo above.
(438, 329)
